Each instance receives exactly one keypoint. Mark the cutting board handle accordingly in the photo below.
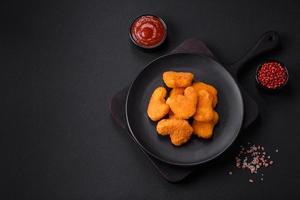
(267, 42)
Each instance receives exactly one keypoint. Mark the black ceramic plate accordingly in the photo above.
(196, 151)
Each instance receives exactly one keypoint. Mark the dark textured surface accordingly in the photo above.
(58, 140)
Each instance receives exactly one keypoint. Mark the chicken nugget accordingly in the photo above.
(205, 129)
(204, 112)
(178, 79)
(157, 107)
(179, 130)
(209, 88)
(183, 106)
(174, 92)
(171, 115)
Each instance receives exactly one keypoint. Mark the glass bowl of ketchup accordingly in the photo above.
(148, 31)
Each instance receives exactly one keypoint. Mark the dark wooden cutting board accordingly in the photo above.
(170, 172)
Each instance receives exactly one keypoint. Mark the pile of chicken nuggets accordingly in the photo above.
(188, 109)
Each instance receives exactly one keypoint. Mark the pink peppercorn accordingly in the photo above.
(272, 75)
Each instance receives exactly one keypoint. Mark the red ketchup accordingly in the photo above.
(148, 31)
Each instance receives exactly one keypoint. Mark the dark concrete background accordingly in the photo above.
(61, 61)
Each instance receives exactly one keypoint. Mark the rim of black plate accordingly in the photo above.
(180, 163)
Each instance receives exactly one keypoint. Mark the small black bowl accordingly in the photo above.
(143, 46)
(269, 89)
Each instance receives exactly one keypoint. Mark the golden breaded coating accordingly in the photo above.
(205, 112)
(179, 130)
(171, 115)
(157, 107)
(183, 106)
(209, 88)
(186, 100)
(174, 92)
(178, 79)
(205, 129)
